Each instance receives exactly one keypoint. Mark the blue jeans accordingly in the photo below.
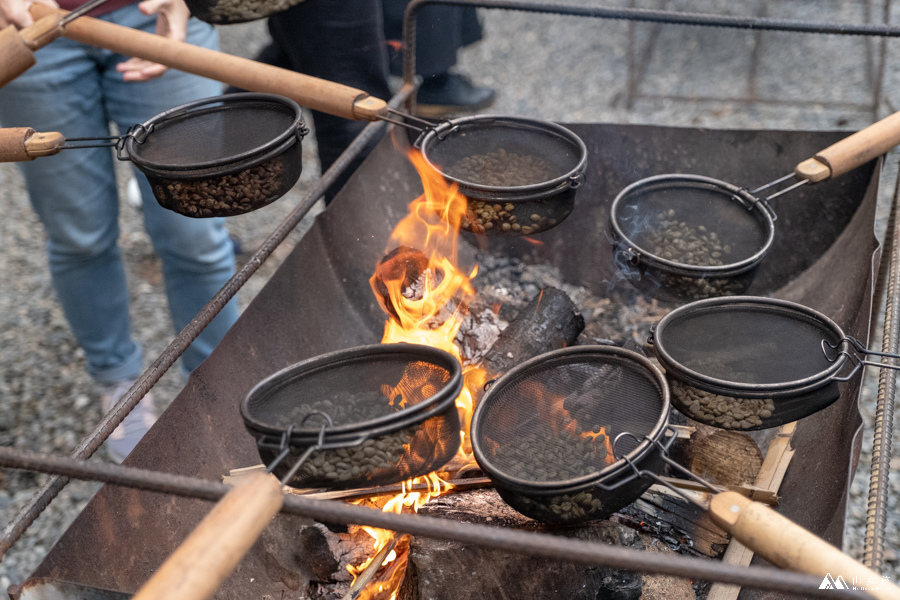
(74, 89)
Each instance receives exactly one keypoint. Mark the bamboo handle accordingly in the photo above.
(17, 47)
(311, 92)
(211, 552)
(852, 151)
(23, 143)
(785, 544)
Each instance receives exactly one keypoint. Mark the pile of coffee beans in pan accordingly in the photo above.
(502, 169)
(363, 462)
(698, 288)
(720, 411)
(227, 195)
(506, 217)
(679, 242)
(564, 507)
(349, 409)
(533, 457)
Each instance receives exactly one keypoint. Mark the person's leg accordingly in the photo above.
(341, 42)
(197, 255)
(440, 32)
(74, 194)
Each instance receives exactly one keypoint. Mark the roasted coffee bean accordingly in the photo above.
(226, 195)
(508, 218)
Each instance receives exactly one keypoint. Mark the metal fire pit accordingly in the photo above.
(319, 300)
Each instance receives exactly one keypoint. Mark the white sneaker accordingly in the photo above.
(133, 194)
(130, 431)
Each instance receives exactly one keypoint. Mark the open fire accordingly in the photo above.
(426, 297)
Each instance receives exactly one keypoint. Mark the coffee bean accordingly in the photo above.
(225, 195)
(723, 411)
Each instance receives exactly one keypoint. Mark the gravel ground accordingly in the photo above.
(580, 72)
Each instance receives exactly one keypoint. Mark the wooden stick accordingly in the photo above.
(311, 92)
(211, 552)
(778, 457)
(370, 571)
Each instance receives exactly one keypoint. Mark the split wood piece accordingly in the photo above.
(721, 457)
(550, 321)
(778, 457)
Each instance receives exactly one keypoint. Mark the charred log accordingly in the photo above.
(403, 264)
(549, 322)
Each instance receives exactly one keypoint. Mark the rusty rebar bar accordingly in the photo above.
(879, 478)
(493, 537)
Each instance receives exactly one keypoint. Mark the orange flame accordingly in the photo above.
(551, 410)
(426, 296)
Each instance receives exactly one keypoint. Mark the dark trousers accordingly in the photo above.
(440, 32)
(338, 41)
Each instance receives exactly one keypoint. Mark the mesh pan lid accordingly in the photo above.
(693, 222)
(214, 132)
(493, 152)
(359, 389)
(551, 421)
(748, 346)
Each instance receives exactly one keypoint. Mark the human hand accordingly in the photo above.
(171, 22)
(15, 12)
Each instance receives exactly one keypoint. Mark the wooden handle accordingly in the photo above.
(23, 143)
(17, 47)
(212, 551)
(785, 544)
(852, 151)
(311, 92)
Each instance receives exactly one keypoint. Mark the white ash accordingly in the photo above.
(479, 330)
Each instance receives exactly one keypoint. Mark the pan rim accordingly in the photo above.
(248, 158)
(406, 417)
(678, 268)
(731, 388)
(603, 476)
(527, 192)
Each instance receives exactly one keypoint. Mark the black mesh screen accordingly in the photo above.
(691, 223)
(748, 343)
(503, 153)
(350, 392)
(213, 133)
(556, 421)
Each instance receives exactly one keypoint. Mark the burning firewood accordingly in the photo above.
(403, 264)
(549, 322)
